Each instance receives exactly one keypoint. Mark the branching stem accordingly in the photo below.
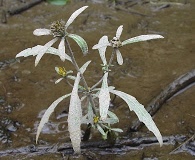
(82, 76)
(109, 64)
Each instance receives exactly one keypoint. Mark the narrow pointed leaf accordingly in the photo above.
(75, 116)
(119, 57)
(25, 53)
(71, 77)
(41, 32)
(104, 97)
(141, 112)
(101, 46)
(141, 38)
(117, 130)
(84, 67)
(74, 15)
(81, 42)
(90, 113)
(101, 130)
(55, 51)
(47, 114)
(61, 49)
(119, 31)
(88, 118)
(110, 121)
(42, 51)
(35, 50)
(59, 80)
(112, 115)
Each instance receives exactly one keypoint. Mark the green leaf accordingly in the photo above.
(57, 2)
(47, 114)
(80, 41)
(104, 97)
(141, 112)
(75, 116)
(141, 38)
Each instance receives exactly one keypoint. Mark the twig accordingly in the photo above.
(24, 7)
(182, 144)
(173, 88)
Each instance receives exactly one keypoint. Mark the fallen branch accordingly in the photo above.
(24, 7)
(122, 145)
(175, 87)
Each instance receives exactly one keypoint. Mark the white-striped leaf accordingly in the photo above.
(141, 38)
(119, 31)
(84, 67)
(75, 116)
(80, 41)
(104, 97)
(119, 57)
(141, 112)
(101, 46)
(74, 15)
(47, 114)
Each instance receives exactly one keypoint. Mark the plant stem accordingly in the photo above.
(109, 64)
(67, 81)
(82, 76)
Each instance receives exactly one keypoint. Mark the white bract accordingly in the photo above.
(116, 43)
(59, 31)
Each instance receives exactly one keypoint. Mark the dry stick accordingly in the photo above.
(191, 138)
(181, 83)
(122, 145)
(24, 7)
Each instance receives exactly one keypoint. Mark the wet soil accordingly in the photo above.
(26, 91)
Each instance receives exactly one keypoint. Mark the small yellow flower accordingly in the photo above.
(61, 71)
(96, 119)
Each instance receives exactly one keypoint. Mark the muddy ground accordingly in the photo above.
(26, 91)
